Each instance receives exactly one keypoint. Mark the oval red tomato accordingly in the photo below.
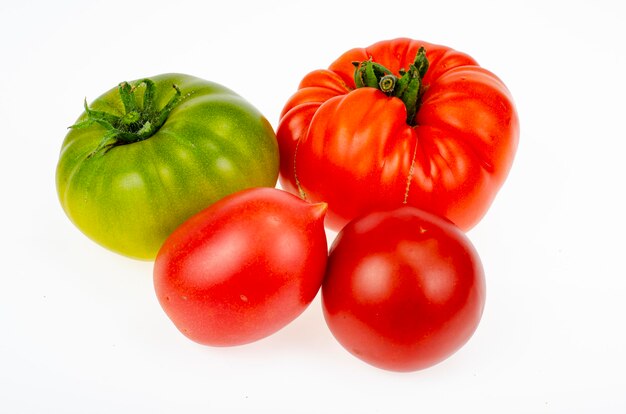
(243, 268)
(404, 289)
(361, 140)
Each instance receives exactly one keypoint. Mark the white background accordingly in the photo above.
(81, 330)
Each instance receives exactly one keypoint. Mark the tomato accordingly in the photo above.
(147, 155)
(243, 268)
(414, 123)
(404, 289)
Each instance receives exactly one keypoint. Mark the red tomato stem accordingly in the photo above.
(407, 87)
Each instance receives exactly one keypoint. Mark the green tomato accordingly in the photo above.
(147, 155)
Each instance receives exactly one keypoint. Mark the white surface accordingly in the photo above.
(81, 330)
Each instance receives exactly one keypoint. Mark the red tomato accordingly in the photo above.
(404, 289)
(243, 268)
(361, 140)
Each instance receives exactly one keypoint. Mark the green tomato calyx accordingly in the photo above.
(408, 86)
(139, 121)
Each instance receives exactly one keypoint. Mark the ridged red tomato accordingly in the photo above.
(399, 122)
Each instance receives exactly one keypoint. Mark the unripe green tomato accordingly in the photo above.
(149, 154)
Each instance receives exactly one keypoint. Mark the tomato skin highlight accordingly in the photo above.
(353, 148)
(243, 268)
(403, 290)
(132, 196)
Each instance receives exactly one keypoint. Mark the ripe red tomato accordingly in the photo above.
(243, 268)
(404, 289)
(425, 127)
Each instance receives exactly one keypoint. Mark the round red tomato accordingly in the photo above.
(404, 289)
(414, 123)
(243, 268)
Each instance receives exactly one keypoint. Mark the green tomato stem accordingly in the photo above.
(139, 122)
(408, 87)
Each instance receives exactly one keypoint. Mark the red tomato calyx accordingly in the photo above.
(408, 87)
(138, 123)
